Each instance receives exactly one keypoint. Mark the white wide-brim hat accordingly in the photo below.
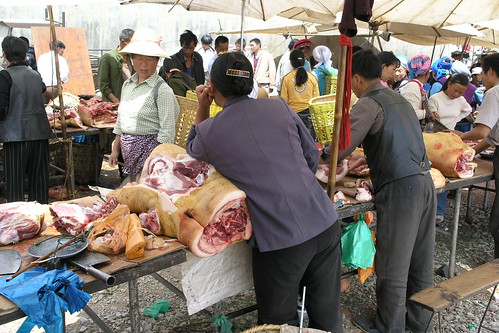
(476, 70)
(145, 42)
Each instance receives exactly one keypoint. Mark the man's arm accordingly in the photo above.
(365, 114)
(104, 80)
(5, 84)
(478, 133)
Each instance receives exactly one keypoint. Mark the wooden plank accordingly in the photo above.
(76, 54)
(445, 293)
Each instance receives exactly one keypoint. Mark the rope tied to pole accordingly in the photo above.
(345, 134)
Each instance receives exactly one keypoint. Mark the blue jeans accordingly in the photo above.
(441, 203)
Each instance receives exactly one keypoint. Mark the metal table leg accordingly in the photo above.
(455, 227)
(486, 197)
(468, 205)
(96, 319)
(133, 295)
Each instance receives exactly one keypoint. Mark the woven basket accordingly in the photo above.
(330, 86)
(188, 109)
(264, 328)
(214, 108)
(322, 114)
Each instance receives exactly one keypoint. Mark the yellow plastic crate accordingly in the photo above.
(322, 115)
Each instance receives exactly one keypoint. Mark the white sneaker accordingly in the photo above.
(439, 219)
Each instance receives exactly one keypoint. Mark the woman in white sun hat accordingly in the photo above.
(148, 109)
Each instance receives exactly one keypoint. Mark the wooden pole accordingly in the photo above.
(338, 112)
(68, 144)
(53, 43)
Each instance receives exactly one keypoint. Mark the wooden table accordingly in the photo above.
(483, 173)
(120, 267)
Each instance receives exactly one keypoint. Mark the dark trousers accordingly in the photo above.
(31, 159)
(405, 242)
(307, 120)
(494, 215)
(315, 264)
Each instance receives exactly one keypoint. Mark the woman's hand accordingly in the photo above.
(113, 159)
(115, 152)
(205, 98)
(435, 116)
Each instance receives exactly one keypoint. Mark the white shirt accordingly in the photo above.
(488, 112)
(284, 67)
(412, 93)
(206, 55)
(46, 68)
(450, 110)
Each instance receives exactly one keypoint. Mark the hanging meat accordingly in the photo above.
(20, 220)
(449, 154)
(97, 113)
(192, 201)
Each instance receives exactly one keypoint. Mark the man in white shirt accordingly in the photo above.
(263, 65)
(284, 67)
(487, 130)
(206, 52)
(46, 68)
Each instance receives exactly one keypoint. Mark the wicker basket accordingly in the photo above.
(86, 161)
(214, 108)
(322, 114)
(264, 328)
(330, 86)
(188, 109)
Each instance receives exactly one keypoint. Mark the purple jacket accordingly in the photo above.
(263, 148)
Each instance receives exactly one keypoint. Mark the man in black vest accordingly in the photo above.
(385, 123)
(24, 127)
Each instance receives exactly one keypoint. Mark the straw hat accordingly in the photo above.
(145, 42)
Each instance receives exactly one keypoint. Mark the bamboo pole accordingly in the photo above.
(68, 144)
(338, 113)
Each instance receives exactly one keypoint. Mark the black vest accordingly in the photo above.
(397, 150)
(26, 119)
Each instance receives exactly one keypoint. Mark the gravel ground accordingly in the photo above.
(474, 248)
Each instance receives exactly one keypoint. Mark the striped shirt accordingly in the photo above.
(140, 114)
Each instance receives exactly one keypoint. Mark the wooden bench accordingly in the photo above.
(446, 293)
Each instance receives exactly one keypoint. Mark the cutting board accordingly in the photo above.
(76, 54)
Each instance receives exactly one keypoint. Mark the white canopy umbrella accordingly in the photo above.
(264, 10)
(436, 13)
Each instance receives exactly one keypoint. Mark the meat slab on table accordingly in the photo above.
(20, 220)
(192, 201)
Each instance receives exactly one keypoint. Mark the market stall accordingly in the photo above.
(125, 270)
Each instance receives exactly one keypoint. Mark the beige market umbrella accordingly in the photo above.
(264, 10)
(436, 13)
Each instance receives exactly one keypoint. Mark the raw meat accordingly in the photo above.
(194, 203)
(322, 173)
(437, 177)
(72, 119)
(75, 218)
(110, 235)
(449, 154)
(97, 113)
(20, 220)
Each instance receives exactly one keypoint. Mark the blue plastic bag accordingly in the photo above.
(42, 295)
(357, 246)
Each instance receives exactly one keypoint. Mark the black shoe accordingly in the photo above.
(365, 324)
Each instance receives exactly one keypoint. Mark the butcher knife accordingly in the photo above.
(435, 126)
(86, 261)
(10, 261)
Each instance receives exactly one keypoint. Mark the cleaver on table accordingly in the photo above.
(10, 261)
(86, 261)
(435, 126)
